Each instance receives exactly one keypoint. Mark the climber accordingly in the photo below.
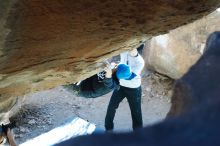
(94, 86)
(128, 74)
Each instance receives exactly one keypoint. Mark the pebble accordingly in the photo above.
(148, 89)
(32, 122)
(18, 135)
(22, 129)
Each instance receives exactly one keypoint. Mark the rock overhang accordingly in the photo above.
(44, 44)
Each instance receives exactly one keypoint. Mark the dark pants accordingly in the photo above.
(133, 96)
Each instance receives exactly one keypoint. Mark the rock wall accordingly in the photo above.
(44, 44)
(174, 53)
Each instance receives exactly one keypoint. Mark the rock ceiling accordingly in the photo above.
(45, 43)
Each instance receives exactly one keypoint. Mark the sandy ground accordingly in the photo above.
(43, 111)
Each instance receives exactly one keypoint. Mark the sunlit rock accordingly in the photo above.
(174, 53)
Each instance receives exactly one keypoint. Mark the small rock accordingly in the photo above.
(32, 122)
(43, 127)
(48, 121)
(148, 89)
(151, 95)
(18, 135)
(22, 129)
(169, 93)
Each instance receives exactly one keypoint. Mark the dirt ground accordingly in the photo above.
(43, 111)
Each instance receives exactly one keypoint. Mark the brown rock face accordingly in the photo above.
(45, 43)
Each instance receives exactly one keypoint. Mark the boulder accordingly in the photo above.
(174, 53)
(44, 44)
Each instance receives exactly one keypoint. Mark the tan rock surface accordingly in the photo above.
(174, 53)
(44, 44)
